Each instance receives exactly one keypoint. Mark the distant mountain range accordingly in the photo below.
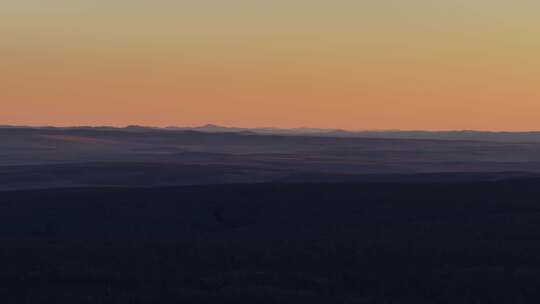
(43, 157)
(532, 136)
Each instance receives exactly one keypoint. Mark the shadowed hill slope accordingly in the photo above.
(273, 243)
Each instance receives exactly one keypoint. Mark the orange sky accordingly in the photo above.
(369, 64)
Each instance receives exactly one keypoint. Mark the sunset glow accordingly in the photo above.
(369, 64)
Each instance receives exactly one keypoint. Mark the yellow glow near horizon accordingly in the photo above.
(368, 64)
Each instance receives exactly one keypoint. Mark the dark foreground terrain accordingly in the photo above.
(476, 242)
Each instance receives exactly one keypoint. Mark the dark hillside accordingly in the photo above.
(273, 243)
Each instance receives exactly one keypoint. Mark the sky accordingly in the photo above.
(351, 64)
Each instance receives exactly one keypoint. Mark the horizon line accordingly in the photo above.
(208, 125)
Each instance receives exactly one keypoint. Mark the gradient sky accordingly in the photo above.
(358, 64)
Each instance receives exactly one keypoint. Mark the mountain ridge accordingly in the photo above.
(476, 135)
